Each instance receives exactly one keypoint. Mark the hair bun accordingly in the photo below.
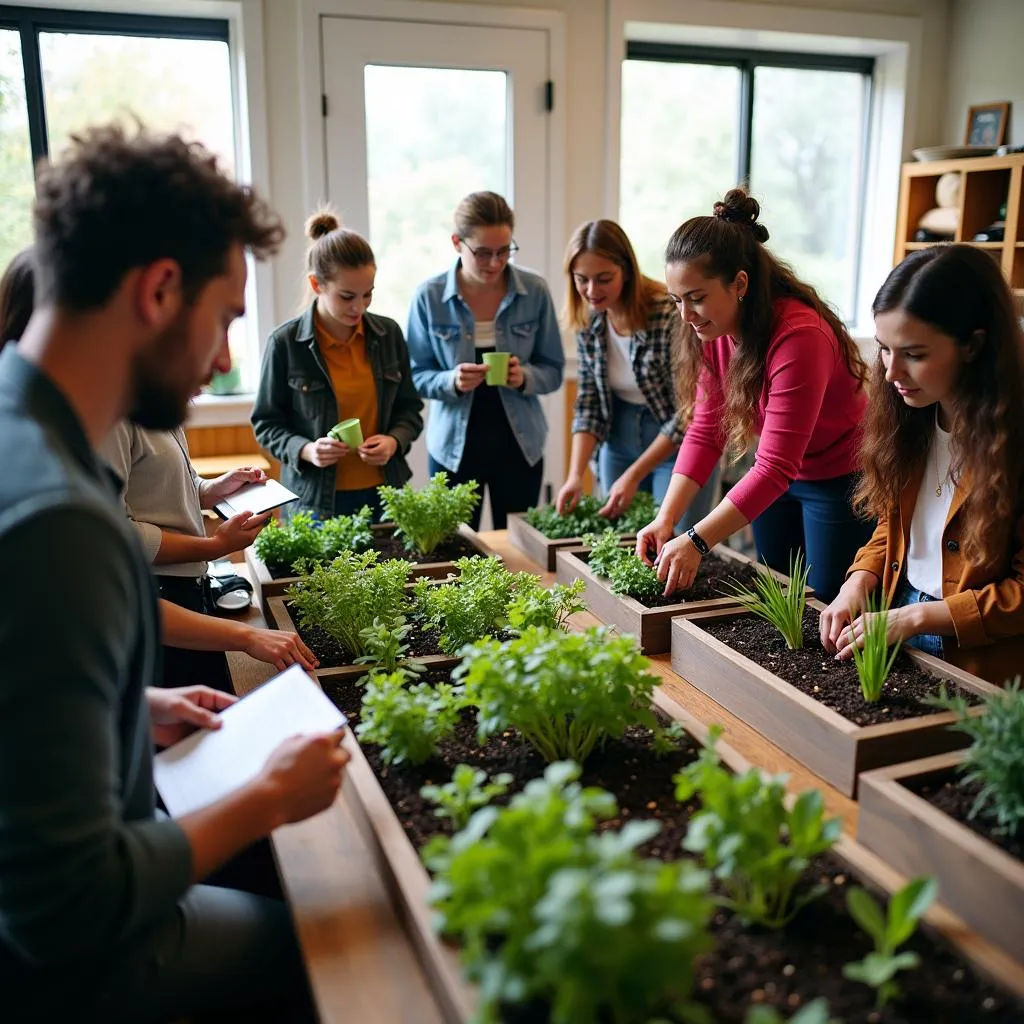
(740, 208)
(323, 222)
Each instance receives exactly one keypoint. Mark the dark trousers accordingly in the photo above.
(512, 483)
(183, 667)
(347, 503)
(817, 518)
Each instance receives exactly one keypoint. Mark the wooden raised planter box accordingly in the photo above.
(267, 586)
(978, 881)
(831, 746)
(652, 626)
(539, 548)
(275, 611)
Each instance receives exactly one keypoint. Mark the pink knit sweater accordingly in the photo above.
(808, 417)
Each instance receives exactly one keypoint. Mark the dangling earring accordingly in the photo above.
(741, 298)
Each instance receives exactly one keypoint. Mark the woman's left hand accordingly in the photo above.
(516, 374)
(174, 713)
(899, 628)
(378, 449)
(677, 564)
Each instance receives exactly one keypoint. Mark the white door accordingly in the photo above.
(417, 115)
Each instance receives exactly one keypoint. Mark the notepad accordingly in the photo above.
(212, 763)
(256, 498)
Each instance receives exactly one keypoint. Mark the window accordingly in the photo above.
(63, 70)
(793, 126)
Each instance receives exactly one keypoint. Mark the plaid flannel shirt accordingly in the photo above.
(651, 357)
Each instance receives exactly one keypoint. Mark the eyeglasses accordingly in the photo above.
(486, 255)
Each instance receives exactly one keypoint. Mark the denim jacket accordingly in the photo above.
(295, 404)
(440, 334)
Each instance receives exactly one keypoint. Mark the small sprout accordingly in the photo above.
(468, 790)
(781, 604)
(874, 660)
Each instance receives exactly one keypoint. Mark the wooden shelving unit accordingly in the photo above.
(987, 183)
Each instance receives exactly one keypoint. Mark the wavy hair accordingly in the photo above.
(959, 291)
(723, 244)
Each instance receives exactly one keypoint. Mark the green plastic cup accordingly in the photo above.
(497, 367)
(347, 432)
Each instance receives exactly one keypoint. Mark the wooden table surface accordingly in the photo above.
(360, 964)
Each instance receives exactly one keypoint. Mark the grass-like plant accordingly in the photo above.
(426, 518)
(781, 604)
(349, 594)
(564, 692)
(408, 722)
(468, 791)
(744, 833)
(995, 758)
(545, 908)
(546, 607)
(888, 929)
(815, 1012)
(387, 650)
(626, 574)
(874, 660)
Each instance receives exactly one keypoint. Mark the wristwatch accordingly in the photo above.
(698, 541)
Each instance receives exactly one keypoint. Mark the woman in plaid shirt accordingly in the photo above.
(625, 402)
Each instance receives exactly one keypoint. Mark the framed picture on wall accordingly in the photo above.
(986, 124)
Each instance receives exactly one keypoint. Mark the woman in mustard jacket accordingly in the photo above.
(943, 457)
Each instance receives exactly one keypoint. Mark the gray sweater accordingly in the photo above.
(85, 864)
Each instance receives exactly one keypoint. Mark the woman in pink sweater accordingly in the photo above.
(763, 358)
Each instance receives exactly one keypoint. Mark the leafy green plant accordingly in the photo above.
(408, 722)
(346, 533)
(350, 594)
(563, 692)
(874, 660)
(545, 908)
(472, 605)
(546, 607)
(642, 509)
(385, 646)
(667, 740)
(744, 834)
(468, 790)
(626, 573)
(282, 545)
(993, 760)
(586, 517)
(428, 517)
(815, 1012)
(889, 930)
(781, 604)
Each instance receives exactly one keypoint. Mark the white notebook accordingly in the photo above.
(211, 763)
(256, 498)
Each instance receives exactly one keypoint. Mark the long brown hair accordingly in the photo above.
(17, 296)
(959, 291)
(730, 241)
(606, 239)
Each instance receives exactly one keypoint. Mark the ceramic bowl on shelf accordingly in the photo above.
(929, 153)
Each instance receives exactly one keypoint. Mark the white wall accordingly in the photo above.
(983, 65)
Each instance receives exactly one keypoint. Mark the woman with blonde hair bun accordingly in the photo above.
(336, 361)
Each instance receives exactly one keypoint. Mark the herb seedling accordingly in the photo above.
(781, 604)
(564, 692)
(889, 930)
(586, 518)
(546, 608)
(431, 515)
(815, 1012)
(468, 790)
(668, 740)
(281, 545)
(874, 660)
(546, 909)
(386, 647)
(994, 759)
(744, 834)
(626, 573)
(407, 722)
(346, 533)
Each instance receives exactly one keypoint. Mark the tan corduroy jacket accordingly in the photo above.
(987, 603)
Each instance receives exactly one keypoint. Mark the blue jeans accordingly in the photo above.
(817, 518)
(930, 643)
(633, 428)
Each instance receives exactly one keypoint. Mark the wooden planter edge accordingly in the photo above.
(539, 548)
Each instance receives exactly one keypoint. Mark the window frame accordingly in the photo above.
(746, 61)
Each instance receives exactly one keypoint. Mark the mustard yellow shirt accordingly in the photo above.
(348, 365)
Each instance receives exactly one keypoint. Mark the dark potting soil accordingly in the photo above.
(784, 969)
(955, 797)
(448, 551)
(815, 672)
(333, 654)
(716, 577)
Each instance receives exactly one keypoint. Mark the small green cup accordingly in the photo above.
(497, 367)
(347, 432)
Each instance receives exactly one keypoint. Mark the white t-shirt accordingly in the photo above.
(484, 334)
(924, 558)
(621, 378)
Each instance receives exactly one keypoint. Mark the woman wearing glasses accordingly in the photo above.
(482, 304)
